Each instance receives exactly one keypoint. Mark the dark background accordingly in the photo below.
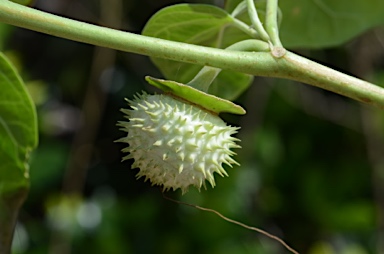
(312, 164)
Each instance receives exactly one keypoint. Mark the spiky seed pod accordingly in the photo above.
(176, 144)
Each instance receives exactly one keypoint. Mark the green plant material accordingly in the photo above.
(18, 136)
(23, 2)
(18, 129)
(271, 22)
(230, 5)
(261, 6)
(322, 23)
(201, 25)
(256, 21)
(4, 32)
(235, 35)
(207, 101)
(326, 23)
(291, 66)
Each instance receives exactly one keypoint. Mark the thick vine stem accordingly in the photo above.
(304, 70)
(290, 65)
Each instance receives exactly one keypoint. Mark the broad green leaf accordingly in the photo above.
(196, 24)
(18, 129)
(325, 23)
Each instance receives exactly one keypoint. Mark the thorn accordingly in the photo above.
(234, 139)
(137, 119)
(233, 145)
(201, 169)
(183, 120)
(142, 106)
(227, 162)
(158, 143)
(181, 168)
(197, 115)
(211, 179)
(149, 104)
(222, 170)
(181, 155)
(170, 142)
(149, 129)
(190, 112)
(169, 108)
(126, 111)
(166, 127)
(153, 114)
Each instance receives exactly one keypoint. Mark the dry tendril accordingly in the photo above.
(263, 232)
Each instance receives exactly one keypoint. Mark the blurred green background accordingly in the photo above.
(312, 164)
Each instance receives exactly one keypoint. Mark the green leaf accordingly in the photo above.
(322, 23)
(326, 23)
(18, 129)
(210, 102)
(202, 25)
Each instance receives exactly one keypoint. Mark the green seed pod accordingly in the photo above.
(176, 144)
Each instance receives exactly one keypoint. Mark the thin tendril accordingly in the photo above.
(235, 222)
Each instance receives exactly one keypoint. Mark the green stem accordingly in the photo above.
(18, 15)
(240, 8)
(304, 70)
(207, 74)
(245, 28)
(256, 21)
(289, 66)
(271, 22)
(203, 80)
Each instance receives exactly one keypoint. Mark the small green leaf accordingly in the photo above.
(18, 129)
(326, 23)
(202, 25)
(210, 102)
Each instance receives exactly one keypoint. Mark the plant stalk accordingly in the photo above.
(256, 23)
(271, 25)
(290, 66)
(306, 71)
